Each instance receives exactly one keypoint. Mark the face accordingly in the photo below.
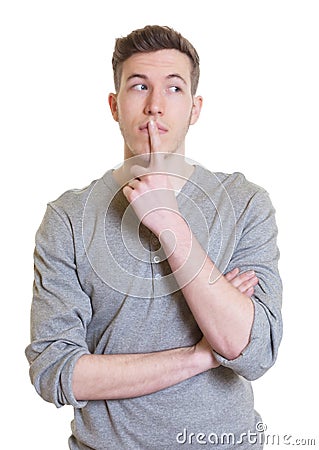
(156, 86)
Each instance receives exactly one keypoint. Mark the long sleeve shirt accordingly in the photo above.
(103, 286)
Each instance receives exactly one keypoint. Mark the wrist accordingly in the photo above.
(204, 358)
(174, 231)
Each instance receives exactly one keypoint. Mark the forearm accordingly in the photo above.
(108, 377)
(222, 312)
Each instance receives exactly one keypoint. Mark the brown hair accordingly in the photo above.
(150, 39)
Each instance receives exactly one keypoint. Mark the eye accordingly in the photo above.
(140, 87)
(174, 89)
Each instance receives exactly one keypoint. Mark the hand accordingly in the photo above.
(245, 282)
(150, 192)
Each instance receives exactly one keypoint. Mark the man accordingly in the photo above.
(133, 321)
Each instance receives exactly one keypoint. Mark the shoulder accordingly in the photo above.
(63, 212)
(72, 198)
(242, 193)
(73, 201)
(236, 183)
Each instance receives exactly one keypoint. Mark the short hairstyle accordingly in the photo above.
(150, 39)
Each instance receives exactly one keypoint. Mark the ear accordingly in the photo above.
(113, 106)
(196, 109)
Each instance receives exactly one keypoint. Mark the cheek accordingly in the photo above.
(127, 114)
(183, 109)
(185, 116)
(124, 117)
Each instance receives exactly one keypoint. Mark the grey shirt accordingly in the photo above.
(103, 286)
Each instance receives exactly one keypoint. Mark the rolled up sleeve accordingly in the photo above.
(60, 313)
(257, 250)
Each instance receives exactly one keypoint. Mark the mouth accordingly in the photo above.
(161, 128)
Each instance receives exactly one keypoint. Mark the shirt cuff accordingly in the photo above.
(67, 396)
(257, 356)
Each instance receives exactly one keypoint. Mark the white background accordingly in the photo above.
(260, 78)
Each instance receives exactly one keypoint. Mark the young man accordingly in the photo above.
(133, 321)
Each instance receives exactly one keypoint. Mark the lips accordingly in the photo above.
(161, 128)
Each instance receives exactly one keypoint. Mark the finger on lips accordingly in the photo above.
(155, 163)
(154, 136)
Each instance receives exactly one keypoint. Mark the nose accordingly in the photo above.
(154, 105)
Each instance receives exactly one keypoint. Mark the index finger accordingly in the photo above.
(155, 139)
(157, 163)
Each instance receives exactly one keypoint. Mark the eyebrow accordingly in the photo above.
(145, 77)
(176, 75)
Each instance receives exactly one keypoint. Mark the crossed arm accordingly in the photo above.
(224, 312)
(100, 377)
